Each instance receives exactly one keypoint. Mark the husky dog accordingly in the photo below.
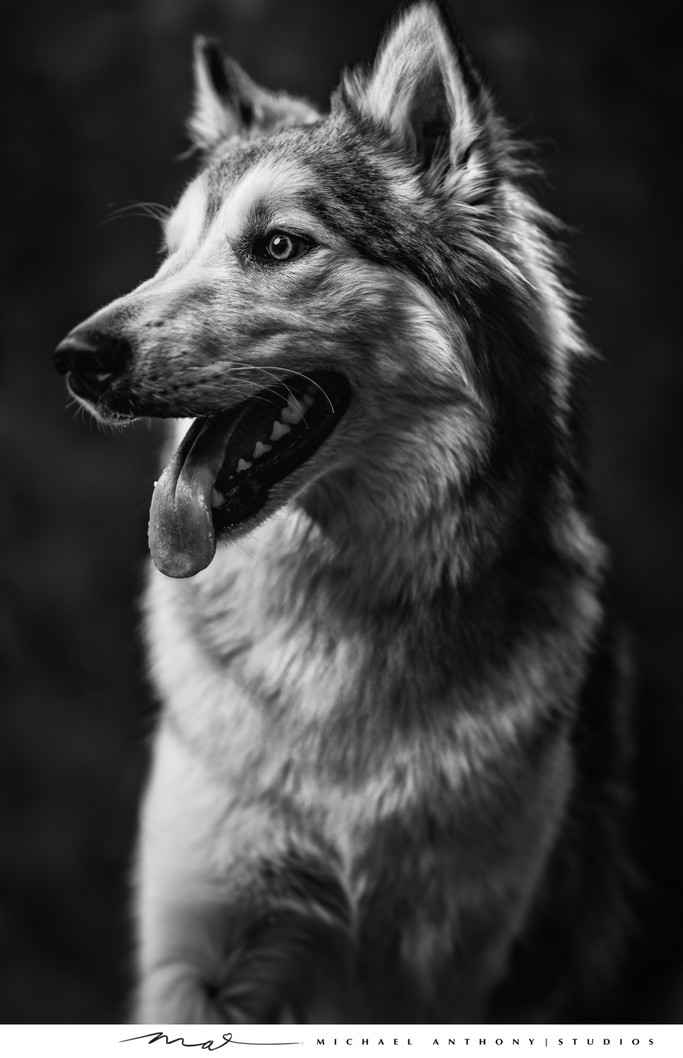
(391, 775)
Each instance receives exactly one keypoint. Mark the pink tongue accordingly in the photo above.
(182, 539)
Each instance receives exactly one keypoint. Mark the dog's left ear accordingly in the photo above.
(426, 91)
(228, 103)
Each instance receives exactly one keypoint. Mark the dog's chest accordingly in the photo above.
(290, 697)
(299, 704)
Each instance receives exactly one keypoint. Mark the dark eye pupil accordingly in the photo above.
(280, 247)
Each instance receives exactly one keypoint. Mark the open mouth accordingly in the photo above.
(222, 473)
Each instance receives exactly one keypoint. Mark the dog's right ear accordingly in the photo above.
(228, 103)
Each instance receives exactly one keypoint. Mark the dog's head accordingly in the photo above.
(338, 295)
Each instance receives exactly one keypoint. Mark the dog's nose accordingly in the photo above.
(92, 361)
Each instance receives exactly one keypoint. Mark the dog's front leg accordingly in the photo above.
(236, 923)
(182, 896)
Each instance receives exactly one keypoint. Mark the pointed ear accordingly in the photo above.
(228, 103)
(424, 88)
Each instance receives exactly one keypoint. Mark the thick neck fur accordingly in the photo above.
(386, 549)
(451, 570)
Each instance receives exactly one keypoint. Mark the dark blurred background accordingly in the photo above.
(95, 100)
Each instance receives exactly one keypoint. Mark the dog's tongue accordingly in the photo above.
(182, 538)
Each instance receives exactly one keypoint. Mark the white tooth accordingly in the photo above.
(307, 401)
(155, 484)
(279, 430)
(243, 464)
(293, 413)
(260, 450)
(217, 498)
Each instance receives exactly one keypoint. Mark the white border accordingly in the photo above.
(103, 1041)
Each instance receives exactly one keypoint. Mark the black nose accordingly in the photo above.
(92, 361)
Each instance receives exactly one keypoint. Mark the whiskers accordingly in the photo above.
(155, 210)
(85, 414)
(278, 374)
(90, 417)
(81, 414)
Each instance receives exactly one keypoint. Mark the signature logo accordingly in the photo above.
(207, 1045)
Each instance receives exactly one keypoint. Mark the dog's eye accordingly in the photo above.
(276, 247)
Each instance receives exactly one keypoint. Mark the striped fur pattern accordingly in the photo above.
(371, 796)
